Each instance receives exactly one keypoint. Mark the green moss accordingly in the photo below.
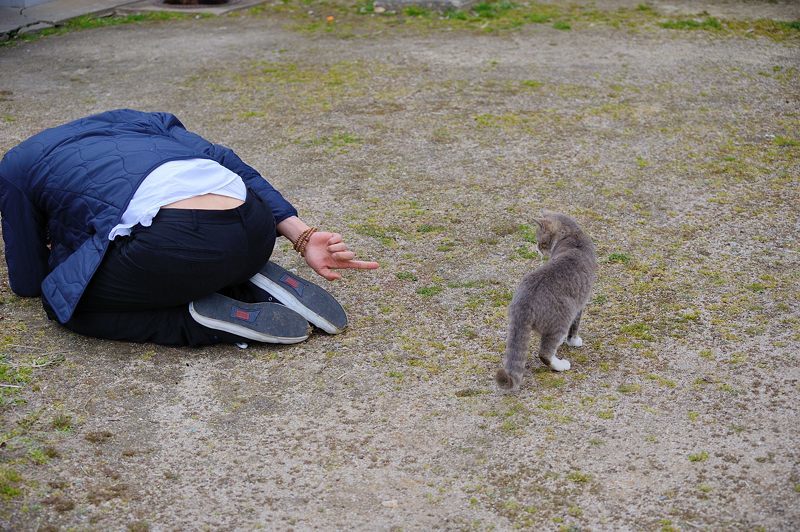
(406, 276)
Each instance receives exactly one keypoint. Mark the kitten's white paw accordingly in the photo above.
(560, 364)
(576, 341)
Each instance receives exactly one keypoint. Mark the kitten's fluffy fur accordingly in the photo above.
(550, 299)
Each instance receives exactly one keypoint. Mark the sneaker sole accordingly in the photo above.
(205, 317)
(269, 280)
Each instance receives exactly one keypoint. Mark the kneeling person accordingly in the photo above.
(132, 228)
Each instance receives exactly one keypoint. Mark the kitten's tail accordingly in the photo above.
(509, 377)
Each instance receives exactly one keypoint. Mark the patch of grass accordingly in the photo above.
(417, 11)
(470, 392)
(406, 276)
(489, 10)
(10, 481)
(532, 84)
(606, 414)
(527, 233)
(707, 23)
(782, 141)
(429, 291)
(615, 258)
(692, 416)
(629, 388)
(524, 252)
(429, 228)
(702, 456)
(41, 456)
(396, 375)
(579, 477)
(14, 377)
(359, 18)
(338, 142)
(640, 331)
(88, 22)
(548, 379)
(62, 422)
(663, 381)
(503, 121)
(381, 233)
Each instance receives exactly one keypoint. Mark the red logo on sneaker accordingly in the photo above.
(245, 315)
(293, 283)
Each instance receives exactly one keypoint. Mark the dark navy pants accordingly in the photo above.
(142, 289)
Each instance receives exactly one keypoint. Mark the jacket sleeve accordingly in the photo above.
(25, 237)
(281, 209)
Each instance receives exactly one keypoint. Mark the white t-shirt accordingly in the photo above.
(174, 181)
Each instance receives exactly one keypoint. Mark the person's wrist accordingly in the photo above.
(302, 241)
(291, 228)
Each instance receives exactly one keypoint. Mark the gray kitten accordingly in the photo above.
(550, 299)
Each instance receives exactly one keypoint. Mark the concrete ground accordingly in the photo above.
(671, 135)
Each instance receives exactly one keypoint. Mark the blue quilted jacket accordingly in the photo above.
(64, 189)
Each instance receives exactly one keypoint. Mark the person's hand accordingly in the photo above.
(326, 252)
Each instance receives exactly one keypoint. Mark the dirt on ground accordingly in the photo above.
(431, 143)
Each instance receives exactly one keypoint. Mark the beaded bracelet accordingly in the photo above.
(302, 241)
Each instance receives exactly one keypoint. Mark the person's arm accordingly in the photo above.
(25, 238)
(325, 251)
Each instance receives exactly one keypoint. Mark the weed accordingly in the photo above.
(406, 276)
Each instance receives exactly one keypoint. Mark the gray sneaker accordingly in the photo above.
(261, 322)
(304, 297)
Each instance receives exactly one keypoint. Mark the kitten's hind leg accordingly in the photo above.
(547, 352)
(573, 340)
